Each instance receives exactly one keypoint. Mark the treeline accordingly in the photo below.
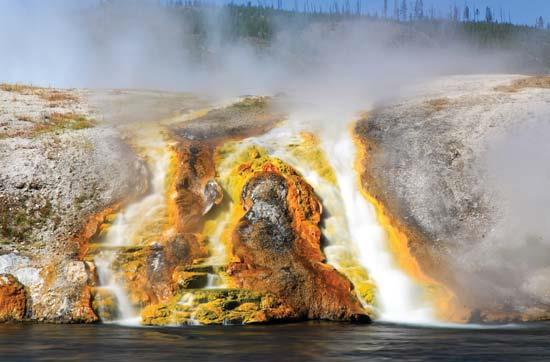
(263, 21)
(414, 25)
(401, 10)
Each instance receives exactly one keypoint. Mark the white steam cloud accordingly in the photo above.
(138, 44)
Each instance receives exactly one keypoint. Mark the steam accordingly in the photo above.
(511, 264)
(130, 44)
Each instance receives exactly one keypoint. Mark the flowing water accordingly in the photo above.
(131, 224)
(399, 299)
(314, 341)
(357, 243)
(355, 236)
(355, 239)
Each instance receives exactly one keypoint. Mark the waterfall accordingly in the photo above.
(357, 243)
(132, 222)
(356, 238)
(399, 298)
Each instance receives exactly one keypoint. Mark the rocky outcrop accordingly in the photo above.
(196, 188)
(59, 169)
(430, 160)
(277, 244)
(273, 239)
(274, 236)
(196, 194)
(221, 306)
(13, 299)
(153, 273)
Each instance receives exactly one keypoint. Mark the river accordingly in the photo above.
(311, 341)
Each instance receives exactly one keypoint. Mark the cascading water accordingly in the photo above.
(131, 223)
(357, 241)
(399, 299)
(218, 253)
(354, 233)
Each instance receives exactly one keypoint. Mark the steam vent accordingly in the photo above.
(165, 209)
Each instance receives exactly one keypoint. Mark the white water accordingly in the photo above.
(218, 253)
(130, 222)
(214, 281)
(399, 299)
(354, 223)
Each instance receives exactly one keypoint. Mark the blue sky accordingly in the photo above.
(521, 11)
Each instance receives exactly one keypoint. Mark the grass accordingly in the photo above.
(531, 82)
(251, 103)
(54, 123)
(438, 104)
(63, 121)
(17, 88)
(52, 96)
(56, 96)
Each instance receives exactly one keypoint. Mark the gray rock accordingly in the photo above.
(51, 183)
(267, 219)
(432, 163)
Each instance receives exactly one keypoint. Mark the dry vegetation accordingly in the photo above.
(439, 104)
(59, 97)
(63, 121)
(531, 82)
(26, 122)
(52, 96)
(55, 122)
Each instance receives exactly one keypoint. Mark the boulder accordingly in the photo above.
(13, 299)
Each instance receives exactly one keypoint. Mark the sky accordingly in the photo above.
(521, 11)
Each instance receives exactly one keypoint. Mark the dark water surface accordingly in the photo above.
(292, 342)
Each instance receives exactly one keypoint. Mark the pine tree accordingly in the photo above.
(456, 14)
(540, 23)
(396, 9)
(466, 13)
(488, 15)
(419, 10)
(385, 9)
(404, 10)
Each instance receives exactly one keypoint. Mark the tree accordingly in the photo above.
(488, 15)
(540, 23)
(396, 9)
(404, 10)
(419, 10)
(456, 14)
(466, 13)
(385, 9)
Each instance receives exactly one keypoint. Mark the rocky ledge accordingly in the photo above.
(64, 166)
(238, 239)
(456, 165)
